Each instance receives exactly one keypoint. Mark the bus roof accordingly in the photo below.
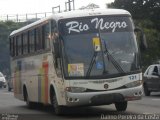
(75, 14)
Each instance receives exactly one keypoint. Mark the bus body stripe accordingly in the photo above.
(45, 66)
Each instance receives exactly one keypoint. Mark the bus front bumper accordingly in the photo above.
(103, 98)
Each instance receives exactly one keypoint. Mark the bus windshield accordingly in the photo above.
(101, 46)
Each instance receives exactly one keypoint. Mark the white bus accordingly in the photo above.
(77, 58)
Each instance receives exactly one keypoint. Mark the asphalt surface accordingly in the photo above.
(12, 109)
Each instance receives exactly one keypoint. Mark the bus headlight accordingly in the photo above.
(134, 84)
(75, 89)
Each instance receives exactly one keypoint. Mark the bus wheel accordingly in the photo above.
(57, 109)
(29, 104)
(121, 106)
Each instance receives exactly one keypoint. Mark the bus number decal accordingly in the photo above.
(133, 77)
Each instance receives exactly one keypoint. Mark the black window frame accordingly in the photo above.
(29, 41)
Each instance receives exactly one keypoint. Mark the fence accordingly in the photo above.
(33, 17)
(25, 17)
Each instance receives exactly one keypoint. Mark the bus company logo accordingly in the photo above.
(106, 86)
(101, 24)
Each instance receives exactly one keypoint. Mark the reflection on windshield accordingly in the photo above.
(80, 50)
(122, 48)
(1, 75)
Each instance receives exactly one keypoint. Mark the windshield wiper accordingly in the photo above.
(111, 58)
(91, 63)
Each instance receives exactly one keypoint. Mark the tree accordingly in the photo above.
(146, 15)
(140, 9)
(89, 6)
(5, 29)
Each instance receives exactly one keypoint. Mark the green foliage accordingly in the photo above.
(5, 29)
(153, 53)
(141, 9)
(146, 15)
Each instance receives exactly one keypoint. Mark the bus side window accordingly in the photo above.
(54, 37)
(19, 45)
(12, 46)
(16, 46)
(38, 38)
(32, 41)
(45, 36)
(25, 43)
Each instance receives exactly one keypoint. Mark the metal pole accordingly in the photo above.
(59, 8)
(73, 5)
(69, 5)
(66, 6)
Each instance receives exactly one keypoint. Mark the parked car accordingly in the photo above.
(152, 79)
(2, 81)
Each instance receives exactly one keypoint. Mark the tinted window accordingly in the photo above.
(108, 40)
(150, 70)
(25, 43)
(15, 46)
(38, 38)
(155, 69)
(12, 46)
(46, 35)
(19, 44)
(32, 40)
(54, 32)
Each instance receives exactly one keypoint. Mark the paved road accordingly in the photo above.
(10, 107)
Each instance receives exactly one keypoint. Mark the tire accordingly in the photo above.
(146, 91)
(29, 104)
(59, 110)
(121, 106)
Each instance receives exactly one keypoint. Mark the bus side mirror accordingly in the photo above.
(143, 42)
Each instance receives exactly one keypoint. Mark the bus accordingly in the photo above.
(77, 58)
